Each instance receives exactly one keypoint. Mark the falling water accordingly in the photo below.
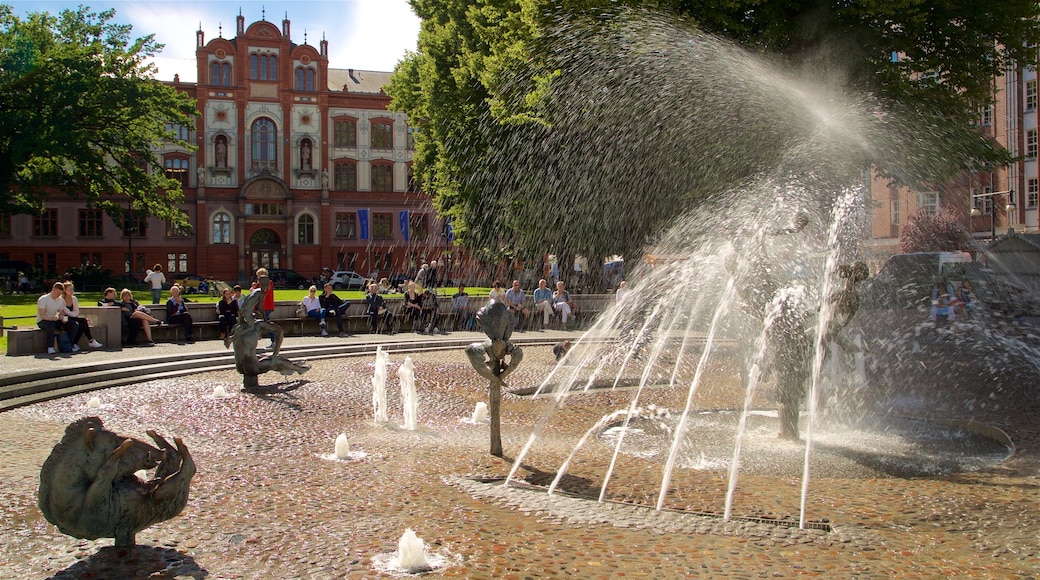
(411, 552)
(379, 386)
(480, 412)
(342, 447)
(409, 396)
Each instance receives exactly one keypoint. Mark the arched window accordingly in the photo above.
(382, 177)
(304, 79)
(413, 184)
(306, 151)
(263, 67)
(345, 176)
(344, 132)
(221, 228)
(305, 230)
(220, 74)
(382, 134)
(177, 168)
(264, 139)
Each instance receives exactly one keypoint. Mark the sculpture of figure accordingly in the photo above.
(305, 155)
(494, 359)
(324, 178)
(201, 174)
(245, 335)
(88, 486)
(221, 152)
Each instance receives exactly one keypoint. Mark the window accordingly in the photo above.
(345, 176)
(1031, 143)
(176, 262)
(86, 259)
(346, 225)
(177, 168)
(383, 261)
(90, 223)
(382, 177)
(263, 67)
(305, 230)
(304, 79)
(221, 228)
(265, 209)
(306, 150)
(45, 225)
(895, 212)
(220, 74)
(982, 202)
(410, 143)
(382, 134)
(382, 226)
(928, 201)
(178, 131)
(136, 226)
(418, 226)
(344, 132)
(987, 115)
(1031, 95)
(264, 137)
(175, 231)
(1032, 193)
(5, 225)
(413, 184)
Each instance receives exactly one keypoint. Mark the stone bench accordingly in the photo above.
(105, 324)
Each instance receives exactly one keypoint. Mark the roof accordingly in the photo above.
(1030, 239)
(357, 81)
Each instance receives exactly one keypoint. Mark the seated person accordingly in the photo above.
(138, 316)
(334, 307)
(227, 312)
(967, 297)
(177, 313)
(312, 308)
(53, 316)
(543, 302)
(384, 286)
(515, 300)
(413, 305)
(430, 312)
(460, 311)
(377, 309)
(130, 330)
(562, 302)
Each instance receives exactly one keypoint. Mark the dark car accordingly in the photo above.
(283, 278)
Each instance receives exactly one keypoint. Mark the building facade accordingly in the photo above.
(297, 165)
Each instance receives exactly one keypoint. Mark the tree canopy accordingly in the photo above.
(81, 113)
(597, 95)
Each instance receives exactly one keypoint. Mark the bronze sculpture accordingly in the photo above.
(247, 333)
(494, 359)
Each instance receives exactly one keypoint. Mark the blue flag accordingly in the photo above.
(404, 226)
(362, 216)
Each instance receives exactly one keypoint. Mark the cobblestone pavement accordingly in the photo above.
(269, 501)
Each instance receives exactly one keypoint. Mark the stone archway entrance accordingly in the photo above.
(265, 250)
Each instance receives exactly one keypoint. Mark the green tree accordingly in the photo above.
(81, 114)
(601, 91)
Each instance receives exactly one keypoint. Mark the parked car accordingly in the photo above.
(347, 279)
(284, 278)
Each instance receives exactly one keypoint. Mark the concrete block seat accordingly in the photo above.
(105, 324)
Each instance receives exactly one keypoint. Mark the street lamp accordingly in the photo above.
(128, 228)
(1010, 207)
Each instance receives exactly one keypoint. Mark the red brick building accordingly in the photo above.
(298, 165)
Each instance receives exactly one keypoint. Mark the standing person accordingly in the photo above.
(227, 311)
(177, 313)
(562, 302)
(376, 308)
(51, 315)
(515, 300)
(334, 307)
(312, 308)
(422, 275)
(431, 276)
(268, 304)
(155, 280)
(72, 305)
(543, 302)
(460, 308)
(137, 316)
(621, 291)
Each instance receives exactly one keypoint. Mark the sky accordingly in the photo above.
(362, 34)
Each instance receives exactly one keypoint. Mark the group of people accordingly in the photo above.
(947, 300)
(544, 301)
(58, 312)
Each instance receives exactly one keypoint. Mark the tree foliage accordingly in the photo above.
(941, 231)
(493, 77)
(81, 113)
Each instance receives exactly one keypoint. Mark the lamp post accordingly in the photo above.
(1010, 207)
(128, 228)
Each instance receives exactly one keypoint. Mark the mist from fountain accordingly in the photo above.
(768, 165)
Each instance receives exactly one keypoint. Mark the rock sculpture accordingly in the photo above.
(245, 336)
(88, 486)
(494, 359)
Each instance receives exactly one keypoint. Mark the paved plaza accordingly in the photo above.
(270, 501)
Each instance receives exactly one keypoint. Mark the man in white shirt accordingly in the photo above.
(52, 315)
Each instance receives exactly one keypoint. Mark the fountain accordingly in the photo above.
(411, 552)
(480, 412)
(94, 403)
(409, 396)
(763, 274)
(342, 447)
(379, 386)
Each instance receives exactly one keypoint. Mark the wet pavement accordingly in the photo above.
(269, 501)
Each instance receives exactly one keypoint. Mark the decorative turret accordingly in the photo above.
(199, 37)
(285, 26)
(240, 24)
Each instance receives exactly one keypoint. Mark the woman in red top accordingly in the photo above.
(268, 305)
